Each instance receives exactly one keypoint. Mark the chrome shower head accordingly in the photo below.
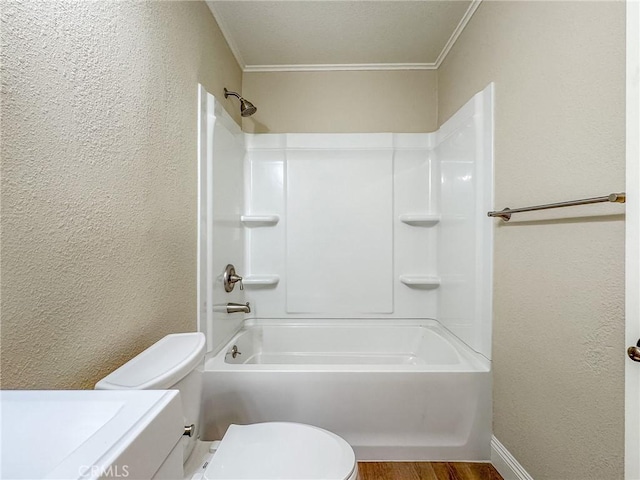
(246, 107)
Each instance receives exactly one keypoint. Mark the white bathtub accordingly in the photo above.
(407, 390)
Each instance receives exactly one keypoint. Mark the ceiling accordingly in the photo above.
(290, 35)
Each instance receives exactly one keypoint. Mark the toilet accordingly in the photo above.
(262, 451)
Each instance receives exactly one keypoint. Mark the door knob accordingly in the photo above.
(634, 352)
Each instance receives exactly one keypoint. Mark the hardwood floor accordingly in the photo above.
(427, 471)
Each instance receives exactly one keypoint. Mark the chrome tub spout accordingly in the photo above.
(238, 308)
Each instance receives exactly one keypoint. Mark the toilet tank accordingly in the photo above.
(175, 362)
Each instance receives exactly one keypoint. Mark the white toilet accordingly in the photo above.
(263, 451)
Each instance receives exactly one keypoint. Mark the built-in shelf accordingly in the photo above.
(261, 280)
(420, 219)
(420, 281)
(259, 220)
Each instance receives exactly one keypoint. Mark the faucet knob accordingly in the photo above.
(229, 278)
(236, 278)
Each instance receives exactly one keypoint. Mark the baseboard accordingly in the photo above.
(505, 463)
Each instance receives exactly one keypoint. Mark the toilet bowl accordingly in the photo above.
(263, 451)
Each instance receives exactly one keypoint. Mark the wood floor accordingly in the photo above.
(427, 471)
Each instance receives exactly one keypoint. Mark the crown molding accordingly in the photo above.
(344, 66)
(456, 33)
(227, 35)
(339, 67)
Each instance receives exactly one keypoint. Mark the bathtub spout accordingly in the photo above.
(238, 308)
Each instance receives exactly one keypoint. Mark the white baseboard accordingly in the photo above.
(505, 463)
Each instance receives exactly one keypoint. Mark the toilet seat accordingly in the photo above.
(281, 451)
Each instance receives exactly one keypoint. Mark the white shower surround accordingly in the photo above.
(357, 236)
(375, 225)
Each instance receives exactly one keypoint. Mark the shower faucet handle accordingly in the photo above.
(237, 279)
(229, 278)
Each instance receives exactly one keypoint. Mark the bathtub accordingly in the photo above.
(401, 390)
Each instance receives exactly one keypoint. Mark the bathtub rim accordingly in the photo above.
(471, 361)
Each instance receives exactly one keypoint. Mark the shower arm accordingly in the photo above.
(246, 107)
(227, 93)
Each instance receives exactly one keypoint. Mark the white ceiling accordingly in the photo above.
(335, 34)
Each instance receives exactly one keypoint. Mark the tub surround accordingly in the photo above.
(221, 232)
(354, 309)
(349, 225)
(375, 225)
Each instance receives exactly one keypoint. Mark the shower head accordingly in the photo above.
(246, 107)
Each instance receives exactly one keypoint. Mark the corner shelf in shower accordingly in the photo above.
(420, 281)
(259, 220)
(261, 280)
(420, 219)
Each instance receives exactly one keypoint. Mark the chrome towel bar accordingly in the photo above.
(507, 212)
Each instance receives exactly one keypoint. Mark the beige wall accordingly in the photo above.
(342, 102)
(558, 297)
(99, 104)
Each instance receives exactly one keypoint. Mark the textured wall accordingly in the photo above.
(342, 102)
(559, 276)
(99, 103)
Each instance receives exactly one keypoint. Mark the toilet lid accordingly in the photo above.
(281, 451)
